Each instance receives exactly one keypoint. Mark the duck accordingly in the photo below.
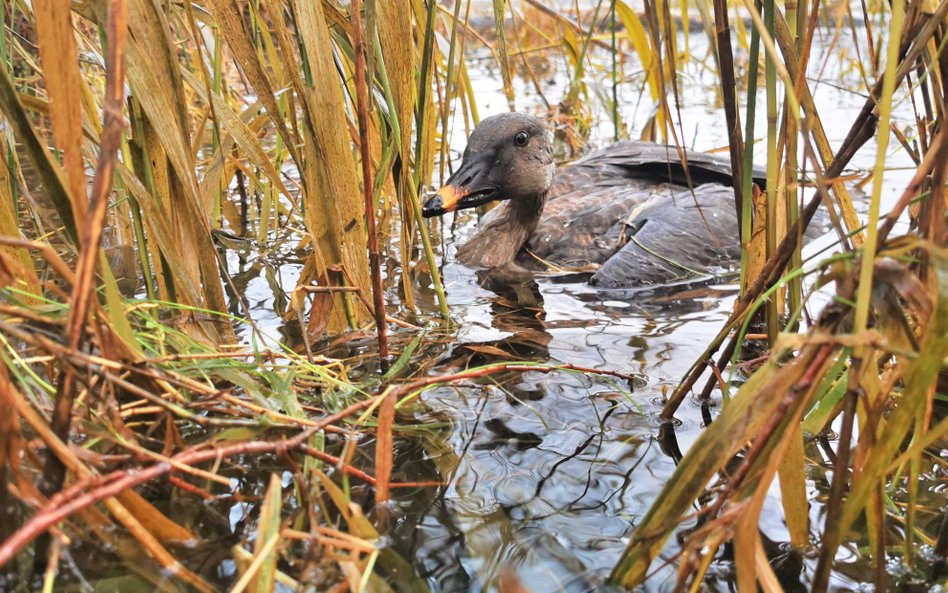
(638, 213)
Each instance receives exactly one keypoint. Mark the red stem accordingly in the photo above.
(54, 472)
(362, 100)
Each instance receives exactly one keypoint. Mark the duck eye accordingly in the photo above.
(521, 139)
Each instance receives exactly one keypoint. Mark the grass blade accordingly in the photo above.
(59, 55)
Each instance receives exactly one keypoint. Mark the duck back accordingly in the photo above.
(596, 204)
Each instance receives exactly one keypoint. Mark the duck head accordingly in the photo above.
(508, 157)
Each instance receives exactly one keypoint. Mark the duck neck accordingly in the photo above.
(501, 237)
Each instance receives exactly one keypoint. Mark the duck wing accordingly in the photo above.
(579, 227)
(584, 220)
(661, 163)
(674, 235)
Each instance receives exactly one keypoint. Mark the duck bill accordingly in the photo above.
(469, 186)
(448, 199)
(451, 197)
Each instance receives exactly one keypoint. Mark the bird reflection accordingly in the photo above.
(517, 309)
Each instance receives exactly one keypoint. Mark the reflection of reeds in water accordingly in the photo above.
(189, 104)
